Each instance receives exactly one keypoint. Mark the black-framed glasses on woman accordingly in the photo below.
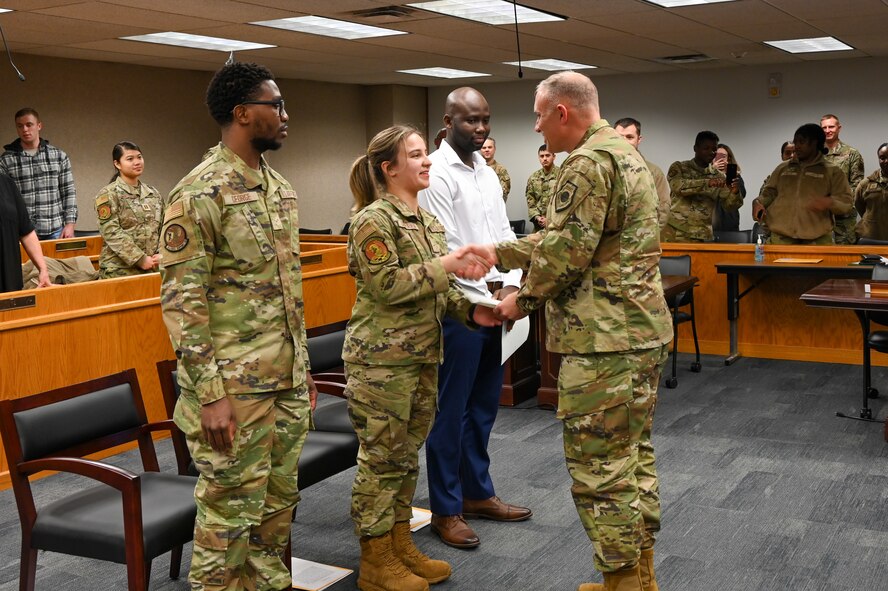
(277, 103)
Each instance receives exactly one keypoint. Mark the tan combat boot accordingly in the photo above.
(646, 566)
(627, 579)
(380, 569)
(433, 571)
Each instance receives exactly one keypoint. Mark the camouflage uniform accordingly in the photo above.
(392, 350)
(851, 163)
(596, 267)
(129, 220)
(539, 190)
(871, 201)
(232, 302)
(786, 196)
(503, 175)
(695, 191)
(662, 186)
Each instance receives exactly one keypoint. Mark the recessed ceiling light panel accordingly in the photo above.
(491, 12)
(197, 41)
(318, 25)
(551, 65)
(812, 45)
(443, 73)
(677, 3)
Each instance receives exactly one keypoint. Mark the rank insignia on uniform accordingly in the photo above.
(565, 196)
(375, 250)
(104, 211)
(175, 238)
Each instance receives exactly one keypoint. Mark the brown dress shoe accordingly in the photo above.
(493, 508)
(454, 531)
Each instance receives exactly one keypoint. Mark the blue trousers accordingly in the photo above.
(469, 384)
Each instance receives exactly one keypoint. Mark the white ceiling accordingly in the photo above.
(619, 36)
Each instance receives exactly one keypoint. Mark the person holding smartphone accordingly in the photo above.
(726, 163)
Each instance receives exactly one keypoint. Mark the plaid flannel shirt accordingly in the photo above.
(46, 184)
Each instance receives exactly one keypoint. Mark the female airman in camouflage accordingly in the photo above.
(130, 215)
(398, 255)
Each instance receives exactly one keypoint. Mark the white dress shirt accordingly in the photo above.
(469, 202)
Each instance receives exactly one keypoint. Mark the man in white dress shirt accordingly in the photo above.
(466, 196)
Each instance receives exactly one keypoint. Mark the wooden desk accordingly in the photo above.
(850, 294)
(547, 395)
(764, 270)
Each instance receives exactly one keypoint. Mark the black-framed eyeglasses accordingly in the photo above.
(277, 103)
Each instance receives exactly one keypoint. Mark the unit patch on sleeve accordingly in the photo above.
(175, 238)
(565, 196)
(104, 211)
(375, 250)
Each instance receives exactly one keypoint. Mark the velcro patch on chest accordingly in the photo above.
(565, 196)
(288, 194)
(175, 238)
(375, 250)
(240, 198)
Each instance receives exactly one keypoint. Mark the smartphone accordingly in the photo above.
(730, 173)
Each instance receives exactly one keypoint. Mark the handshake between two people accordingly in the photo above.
(474, 261)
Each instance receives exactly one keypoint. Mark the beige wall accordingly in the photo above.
(86, 107)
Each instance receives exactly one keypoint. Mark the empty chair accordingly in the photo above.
(680, 265)
(126, 518)
(518, 226)
(873, 340)
(733, 236)
(873, 242)
(312, 231)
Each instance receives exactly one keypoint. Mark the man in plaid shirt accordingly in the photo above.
(42, 173)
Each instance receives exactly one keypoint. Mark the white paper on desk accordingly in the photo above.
(513, 339)
(478, 298)
(314, 576)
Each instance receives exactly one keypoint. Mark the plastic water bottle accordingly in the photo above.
(759, 250)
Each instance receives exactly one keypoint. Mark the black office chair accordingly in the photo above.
(874, 340)
(518, 226)
(756, 232)
(680, 265)
(733, 236)
(126, 517)
(872, 242)
(311, 231)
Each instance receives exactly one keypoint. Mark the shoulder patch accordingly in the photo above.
(176, 210)
(103, 198)
(375, 250)
(175, 238)
(240, 198)
(288, 194)
(103, 210)
(565, 196)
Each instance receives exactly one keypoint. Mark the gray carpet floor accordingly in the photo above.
(763, 488)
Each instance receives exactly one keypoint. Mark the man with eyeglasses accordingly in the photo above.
(232, 302)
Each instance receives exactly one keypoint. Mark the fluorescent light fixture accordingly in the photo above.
(676, 3)
(328, 27)
(551, 65)
(197, 41)
(491, 12)
(443, 73)
(5, 10)
(810, 45)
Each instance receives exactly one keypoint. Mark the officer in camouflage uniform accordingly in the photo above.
(232, 302)
(871, 200)
(630, 129)
(696, 187)
(851, 163)
(488, 152)
(397, 253)
(129, 213)
(596, 268)
(539, 188)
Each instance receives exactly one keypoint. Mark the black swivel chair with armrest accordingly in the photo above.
(680, 265)
(128, 518)
(874, 340)
(733, 236)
